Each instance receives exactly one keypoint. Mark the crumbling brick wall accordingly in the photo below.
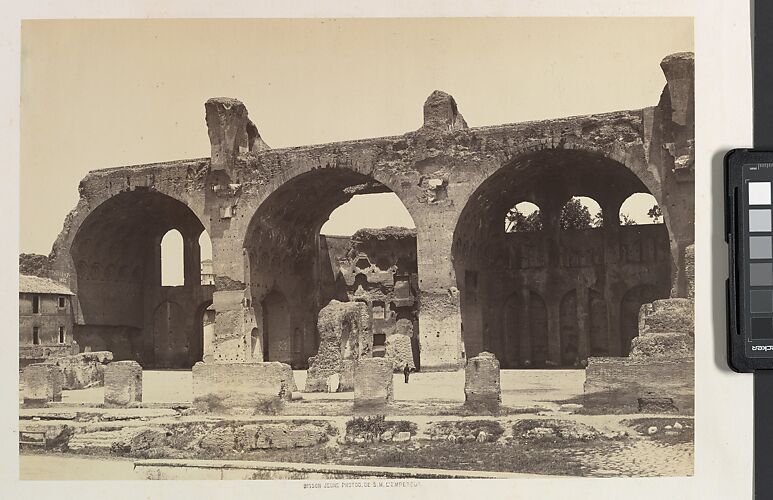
(342, 334)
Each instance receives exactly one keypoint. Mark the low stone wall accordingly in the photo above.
(30, 354)
(83, 370)
(620, 382)
(242, 388)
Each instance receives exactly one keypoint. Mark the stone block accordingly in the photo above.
(481, 382)
(83, 370)
(667, 316)
(123, 383)
(242, 388)
(620, 382)
(400, 351)
(279, 436)
(342, 329)
(663, 345)
(373, 384)
(42, 383)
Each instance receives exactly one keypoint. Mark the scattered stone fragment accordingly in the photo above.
(570, 407)
(401, 437)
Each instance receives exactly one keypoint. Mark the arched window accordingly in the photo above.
(640, 208)
(524, 217)
(172, 259)
(205, 251)
(581, 212)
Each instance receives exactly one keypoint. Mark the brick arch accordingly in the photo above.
(281, 240)
(356, 174)
(111, 249)
(483, 255)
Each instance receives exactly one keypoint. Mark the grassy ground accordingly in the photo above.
(553, 457)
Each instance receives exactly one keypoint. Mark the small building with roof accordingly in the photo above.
(45, 320)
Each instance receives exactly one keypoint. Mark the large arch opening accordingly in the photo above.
(289, 256)
(123, 305)
(547, 290)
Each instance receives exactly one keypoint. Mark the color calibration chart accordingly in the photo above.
(758, 215)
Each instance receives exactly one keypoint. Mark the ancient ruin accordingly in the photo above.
(456, 286)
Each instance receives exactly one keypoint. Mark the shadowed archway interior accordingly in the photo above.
(123, 306)
(564, 285)
(289, 260)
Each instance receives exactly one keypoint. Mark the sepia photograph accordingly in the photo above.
(371, 248)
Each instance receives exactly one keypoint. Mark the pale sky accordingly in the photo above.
(97, 94)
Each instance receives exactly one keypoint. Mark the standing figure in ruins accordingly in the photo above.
(407, 372)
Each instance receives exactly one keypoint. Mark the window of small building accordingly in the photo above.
(61, 335)
(35, 335)
(61, 302)
(35, 304)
